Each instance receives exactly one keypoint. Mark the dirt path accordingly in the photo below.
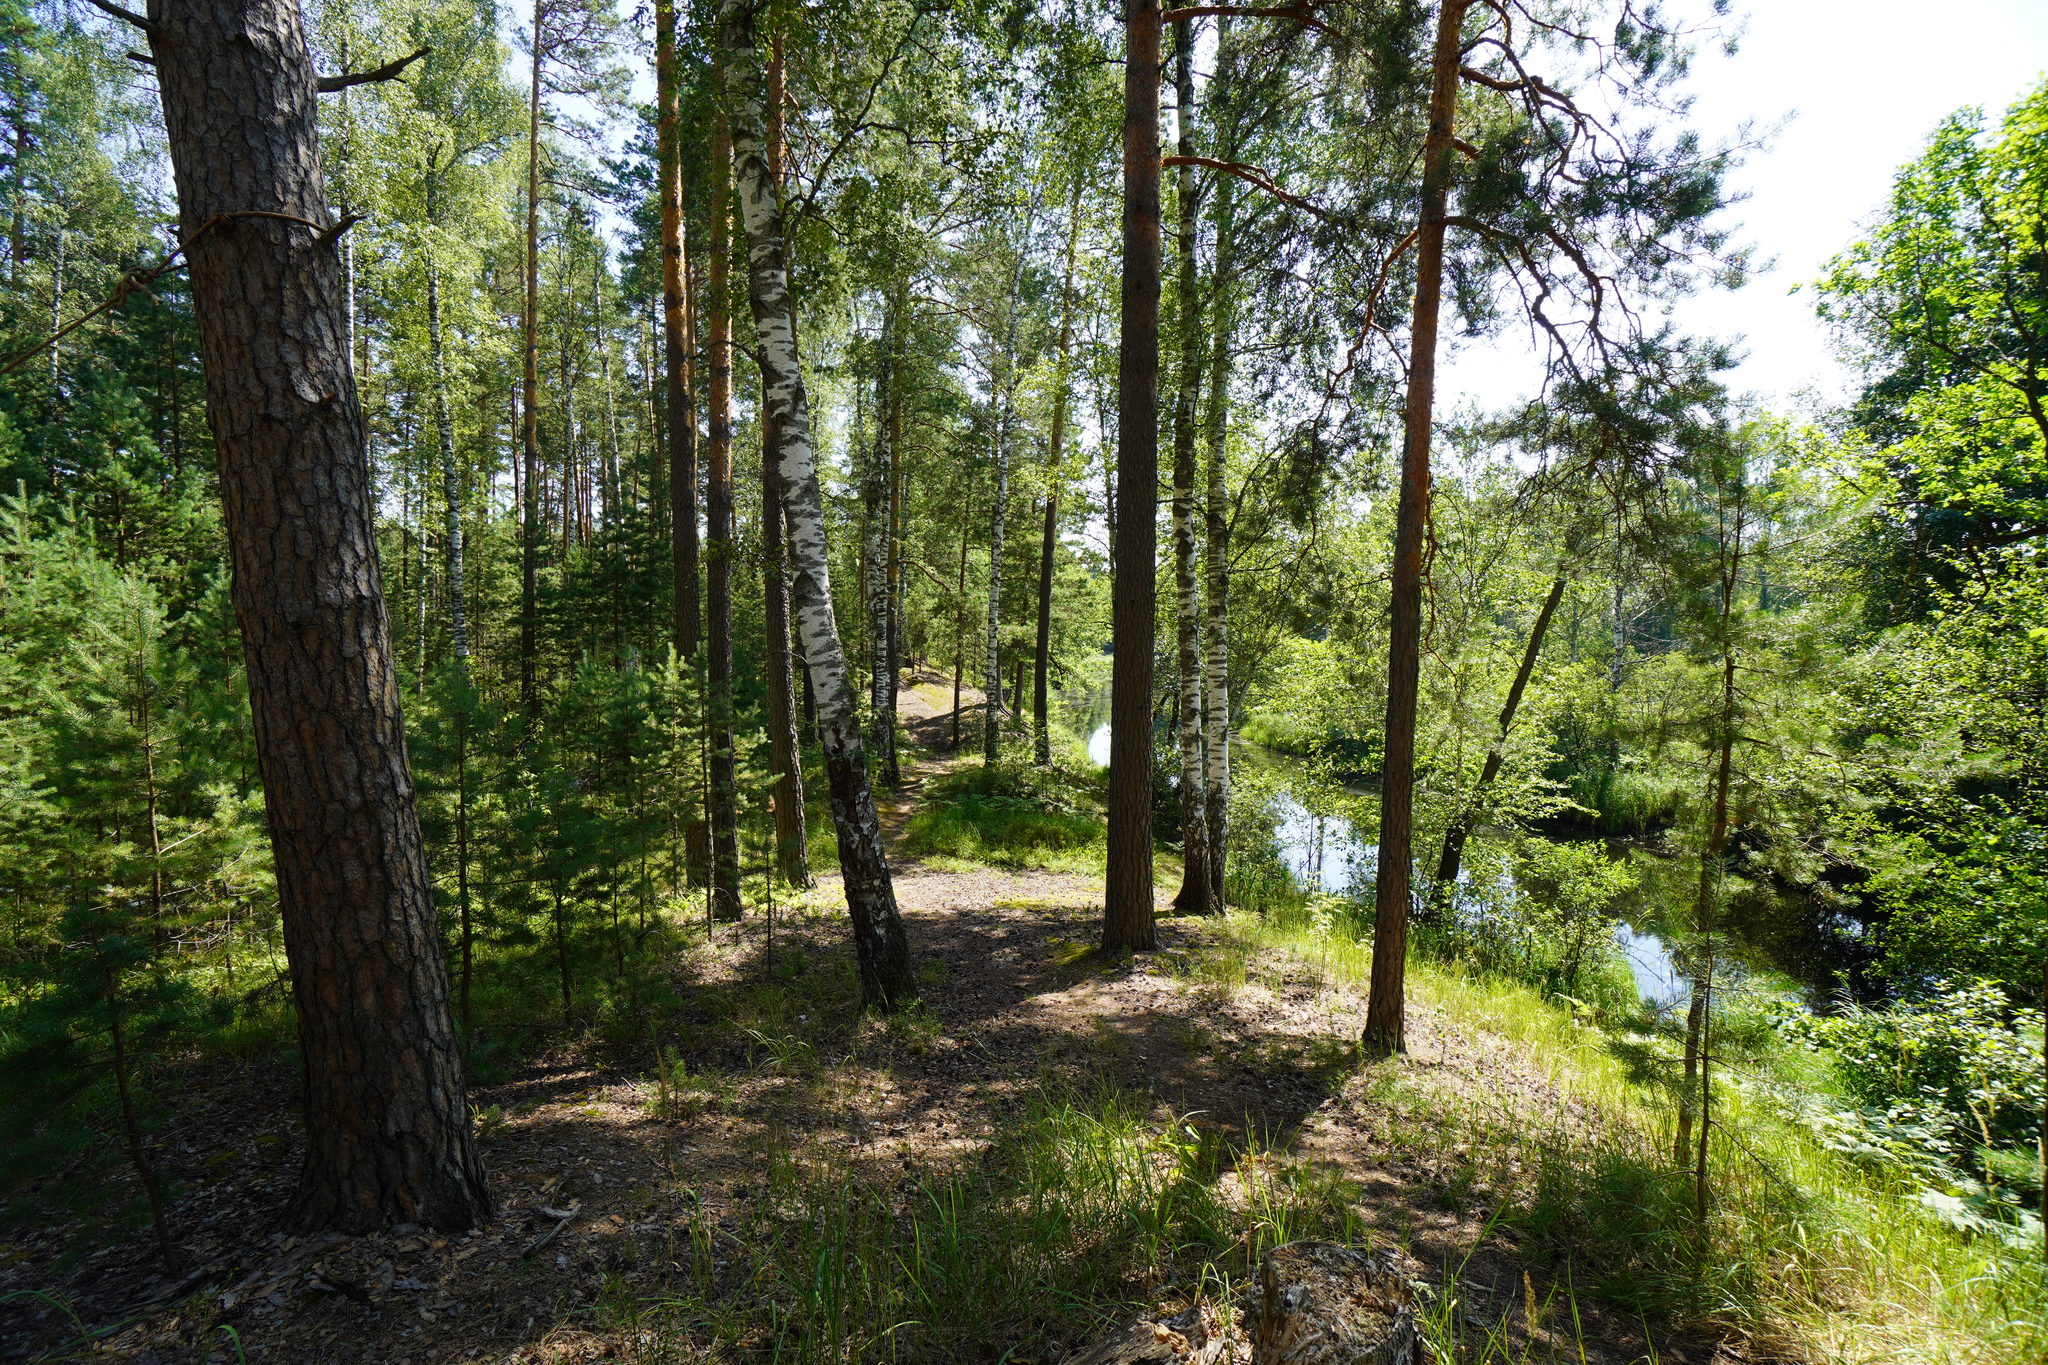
(654, 1158)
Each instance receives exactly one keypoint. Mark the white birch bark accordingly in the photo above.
(1194, 896)
(1217, 543)
(880, 947)
(993, 685)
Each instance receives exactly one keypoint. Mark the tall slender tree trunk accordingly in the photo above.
(529, 394)
(1048, 546)
(1127, 918)
(1196, 887)
(451, 481)
(1453, 854)
(1216, 526)
(992, 730)
(875, 487)
(960, 621)
(679, 346)
(387, 1122)
(722, 804)
(1713, 867)
(881, 949)
(792, 853)
(892, 762)
(1386, 1011)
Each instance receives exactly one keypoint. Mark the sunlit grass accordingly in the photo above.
(1804, 1251)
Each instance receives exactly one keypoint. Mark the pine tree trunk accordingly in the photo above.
(722, 803)
(881, 949)
(1127, 919)
(1386, 1012)
(679, 346)
(960, 621)
(1194, 896)
(792, 852)
(1453, 854)
(529, 395)
(387, 1131)
(892, 768)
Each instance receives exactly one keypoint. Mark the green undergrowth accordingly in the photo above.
(1804, 1252)
(1079, 1209)
(1013, 815)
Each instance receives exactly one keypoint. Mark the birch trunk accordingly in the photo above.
(792, 852)
(875, 558)
(1041, 674)
(1385, 1014)
(881, 949)
(1127, 918)
(992, 730)
(1216, 534)
(1194, 896)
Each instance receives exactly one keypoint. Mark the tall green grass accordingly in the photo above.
(1806, 1253)
(1080, 1209)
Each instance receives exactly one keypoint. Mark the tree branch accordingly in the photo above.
(126, 16)
(1251, 175)
(387, 72)
(1303, 14)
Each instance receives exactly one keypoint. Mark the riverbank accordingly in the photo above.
(1051, 1141)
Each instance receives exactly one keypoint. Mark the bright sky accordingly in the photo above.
(1857, 86)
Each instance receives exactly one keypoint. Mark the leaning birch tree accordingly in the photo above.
(881, 949)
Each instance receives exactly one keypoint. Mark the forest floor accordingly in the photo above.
(681, 1178)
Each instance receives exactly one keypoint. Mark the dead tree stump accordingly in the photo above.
(1325, 1304)
(1192, 1337)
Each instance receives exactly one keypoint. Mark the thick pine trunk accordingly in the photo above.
(679, 345)
(387, 1130)
(1127, 918)
(1196, 887)
(721, 798)
(1386, 1011)
(1453, 853)
(881, 950)
(792, 853)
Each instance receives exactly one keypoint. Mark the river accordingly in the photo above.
(1331, 853)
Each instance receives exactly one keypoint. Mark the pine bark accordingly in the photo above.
(387, 1131)
(881, 949)
(679, 346)
(722, 802)
(1386, 1012)
(1127, 920)
(1194, 896)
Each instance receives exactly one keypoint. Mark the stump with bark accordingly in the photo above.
(1325, 1304)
